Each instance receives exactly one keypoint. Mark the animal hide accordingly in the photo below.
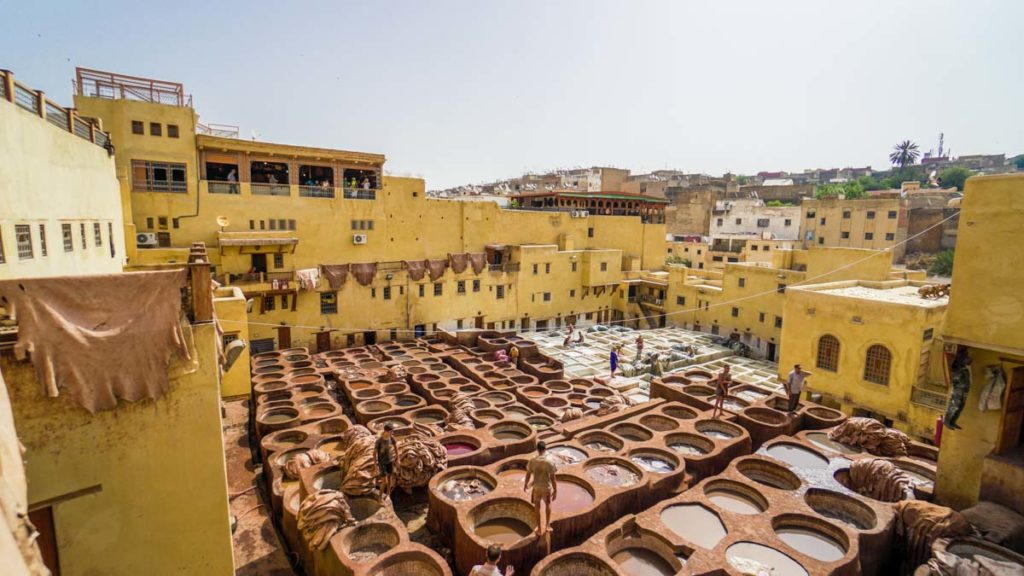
(436, 268)
(880, 479)
(871, 435)
(992, 394)
(297, 464)
(614, 403)
(417, 269)
(358, 462)
(949, 564)
(919, 524)
(570, 414)
(458, 413)
(364, 273)
(479, 261)
(419, 458)
(458, 262)
(322, 515)
(335, 274)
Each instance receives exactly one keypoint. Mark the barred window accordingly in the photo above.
(438, 289)
(81, 230)
(460, 286)
(877, 364)
(149, 176)
(499, 292)
(476, 285)
(97, 233)
(69, 242)
(42, 240)
(268, 303)
(828, 353)
(23, 235)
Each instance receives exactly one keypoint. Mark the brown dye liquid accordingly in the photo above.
(277, 418)
(572, 498)
(612, 475)
(642, 562)
(503, 530)
(821, 440)
(812, 543)
(695, 523)
(734, 502)
(781, 564)
(797, 457)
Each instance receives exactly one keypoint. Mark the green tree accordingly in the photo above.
(850, 190)
(743, 180)
(942, 264)
(954, 176)
(1019, 162)
(904, 154)
(870, 183)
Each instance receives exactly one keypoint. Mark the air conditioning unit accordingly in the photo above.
(359, 238)
(584, 214)
(146, 239)
(574, 214)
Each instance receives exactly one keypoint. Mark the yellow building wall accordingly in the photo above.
(162, 503)
(51, 177)
(229, 306)
(814, 233)
(987, 300)
(859, 323)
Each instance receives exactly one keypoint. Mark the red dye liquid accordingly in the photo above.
(457, 448)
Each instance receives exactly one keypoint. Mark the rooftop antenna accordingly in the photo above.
(941, 139)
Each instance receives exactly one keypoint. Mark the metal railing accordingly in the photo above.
(149, 185)
(360, 194)
(648, 299)
(214, 187)
(930, 398)
(264, 189)
(316, 191)
(220, 130)
(99, 84)
(35, 102)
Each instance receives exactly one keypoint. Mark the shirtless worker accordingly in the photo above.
(385, 451)
(545, 488)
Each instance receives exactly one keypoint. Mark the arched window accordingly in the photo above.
(877, 364)
(828, 353)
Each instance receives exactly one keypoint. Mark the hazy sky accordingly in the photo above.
(461, 92)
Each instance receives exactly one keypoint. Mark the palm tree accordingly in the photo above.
(904, 153)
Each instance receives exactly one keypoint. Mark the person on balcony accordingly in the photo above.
(366, 183)
(232, 181)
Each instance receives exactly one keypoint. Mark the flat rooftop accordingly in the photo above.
(907, 295)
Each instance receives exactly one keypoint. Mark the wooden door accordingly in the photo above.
(284, 337)
(479, 322)
(1010, 436)
(323, 341)
(42, 519)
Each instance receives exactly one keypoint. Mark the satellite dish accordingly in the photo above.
(223, 221)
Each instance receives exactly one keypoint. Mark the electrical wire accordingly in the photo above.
(874, 254)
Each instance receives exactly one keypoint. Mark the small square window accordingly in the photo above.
(273, 224)
(810, 213)
(536, 268)
(720, 222)
(822, 220)
(547, 268)
(739, 221)
(869, 236)
(844, 235)
(890, 236)
(460, 286)
(604, 266)
(278, 260)
(787, 222)
(871, 214)
(763, 222)
(846, 214)
(291, 224)
(821, 239)
(476, 285)
(590, 232)
(892, 214)
(149, 223)
(781, 289)
(328, 302)
(742, 282)
(387, 292)
(574, 264)
(438, 289)
(760, 317)
(172, 130)
(269, 302)
(928, 334)
(778, 321)
(155, 129)
(138, 127)
(175, 223)
(680, 300)
(499, 292)
(735, 312)
(422, 290)
(547, 296)
(572, 293)
(753, 247)
(162, 222)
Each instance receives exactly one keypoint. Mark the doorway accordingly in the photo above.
(284, 337)
(369, 338)
(771, 351)
(479, 322)
(42, 519)
(419, 331)
(259, 263)
(323, 341)
(1011, 434)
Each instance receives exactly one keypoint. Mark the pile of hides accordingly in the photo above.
(364, 273)
(478, 260)
(335, 274)
(948, 564)
(880, 479)
(871, 435)
(919, 524)
(570, 414)
(436, 268)
(295, 466)
(417, 269)
(458, 413)
(748, 567)
(322, 515)
(614, 403)
(427, 429)
(77, 329)
(394, 374)
(458, 262)
(419, 457)
(358, 462)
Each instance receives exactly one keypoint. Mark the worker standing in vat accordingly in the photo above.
(513, 356)
(722, 383)
(794, 385)
(386, 450)
(490, 567)
(545, 488)
(614, 359)
(639, 347)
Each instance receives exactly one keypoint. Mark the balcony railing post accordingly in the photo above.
(41, 103)
(72, 114)
(92, 132)
(9, 85)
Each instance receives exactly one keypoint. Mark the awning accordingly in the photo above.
(258, 241)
